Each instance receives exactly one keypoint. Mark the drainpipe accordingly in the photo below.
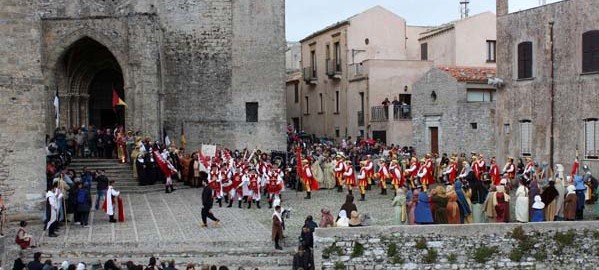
(551, 131)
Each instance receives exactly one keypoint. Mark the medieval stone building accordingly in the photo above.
(213, 67)
(548, 58)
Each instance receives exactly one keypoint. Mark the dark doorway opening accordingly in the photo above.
(101, 111)
(434, 132)
(380, 135)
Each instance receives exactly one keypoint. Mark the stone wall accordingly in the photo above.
(452, 114)
(576, 93)
(190, 63)
(557, 245)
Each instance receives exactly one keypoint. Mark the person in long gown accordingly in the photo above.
(549, 198)
(470, 218)
(439, 200)
(412, 207)
(522, 202)
(533, 190)
(422, 213)
(561, 196)
(570, 204)
(465, 210)
(453, 209)
(488, 207)
(501, 204)
(537, 209)
(328, 173)
(400, 208)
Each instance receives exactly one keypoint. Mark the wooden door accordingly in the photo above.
(434, 131)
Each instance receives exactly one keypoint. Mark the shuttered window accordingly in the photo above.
(424, 51)
(525, 60)
(591, 138)
(251, 111)
(590, 51)
(526, 137)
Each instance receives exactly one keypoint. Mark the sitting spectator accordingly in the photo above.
(326, 219)
(81, 266)
(343, 221)
(24, 239)
(190, 266)
(354, 221)
(48, 265)
(110, 265)
(36, 264)
(19, 264)
(307, 239)
(171, 265)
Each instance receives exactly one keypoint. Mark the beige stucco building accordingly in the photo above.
(351, 67)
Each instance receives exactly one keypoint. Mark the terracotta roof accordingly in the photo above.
(469, 74)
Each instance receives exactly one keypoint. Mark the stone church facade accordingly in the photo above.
(213, 67)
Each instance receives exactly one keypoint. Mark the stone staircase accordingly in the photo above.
(121, 173)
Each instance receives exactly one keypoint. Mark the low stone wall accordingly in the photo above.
(545, 245)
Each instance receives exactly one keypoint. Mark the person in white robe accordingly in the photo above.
(111, 194)
(522, 203)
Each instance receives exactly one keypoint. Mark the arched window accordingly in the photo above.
(525, 60)
(590, 51)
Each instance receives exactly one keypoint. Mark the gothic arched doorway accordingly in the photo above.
(87, 75)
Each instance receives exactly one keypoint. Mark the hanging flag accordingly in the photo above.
(116, 100)
(167, 140)
(183, 140)
(56, 106)
(575, 166)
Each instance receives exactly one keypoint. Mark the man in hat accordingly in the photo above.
(254, 188)
(510, 168)
(310, 182)
(494, 172)
(215, 184)
(430, 168)
(339, 170)
(475, 167)
(412, 171)
(369, 171)
(397, 178)
(423, 174)
(529, 169)
(451, 171)
(363, 179)
(482, 164)
(383, 174)
(349, 176)
(274, 184)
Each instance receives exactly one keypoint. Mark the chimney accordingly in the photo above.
(502, 7)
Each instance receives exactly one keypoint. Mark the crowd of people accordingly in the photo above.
(112, 264)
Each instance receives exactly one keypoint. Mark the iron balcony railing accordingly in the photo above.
(402, 112)
(333, 68)
(379, 114)
(310, 75)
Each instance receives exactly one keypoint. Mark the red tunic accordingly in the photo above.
(349, 176)
(309, 178)
(253, 185)
(362, 177)
(396, 176)
(495, 177)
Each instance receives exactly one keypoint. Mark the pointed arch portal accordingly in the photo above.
(87, 73)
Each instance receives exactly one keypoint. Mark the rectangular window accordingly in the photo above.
(480, 95)
(336, 101)
(307, 105)
(591, 138)
(525, 59)
(590, 51)
(474, 125)
(296, 93)
(405, 99)
(424, 51)
(328, 52)
(321, 103)
(491, 51)
(251, 111)
(526, 137)
(337, 57)
(313, 63)
(337, 133)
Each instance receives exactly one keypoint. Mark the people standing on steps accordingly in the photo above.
(207, 203)
(52, 197)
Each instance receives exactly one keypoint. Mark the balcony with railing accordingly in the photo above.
(356, 71)
(402, 112)
(379, 114)
(334, 68)
(310, 75)
(361, 119)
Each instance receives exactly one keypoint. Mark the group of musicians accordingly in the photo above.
(414, 173)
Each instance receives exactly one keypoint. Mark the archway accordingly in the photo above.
(87, 73)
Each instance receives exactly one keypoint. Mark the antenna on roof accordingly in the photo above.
(464, 8)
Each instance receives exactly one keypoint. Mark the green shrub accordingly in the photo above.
(596, 233)
(421, 243)
(540, 255)
(397, 260)
(340, 266)
(452, 258)
(431, 256)
(358, 250)
(565, 239)
(518, 233)
(391, 250)
(515, 255)
(333, 249)
(526, 244)
(484, 254)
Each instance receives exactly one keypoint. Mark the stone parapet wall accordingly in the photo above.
(555, 245)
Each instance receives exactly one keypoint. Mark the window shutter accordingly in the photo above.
(525, 60)
(525, 137)
(590, 51)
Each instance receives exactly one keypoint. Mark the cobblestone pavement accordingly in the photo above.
(174, 218)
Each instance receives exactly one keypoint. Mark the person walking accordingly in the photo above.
(207, 202)
(84, 204)
(101, 187)
(277, 227)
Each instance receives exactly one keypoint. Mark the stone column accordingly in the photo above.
(83, 110)
(502, 7)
